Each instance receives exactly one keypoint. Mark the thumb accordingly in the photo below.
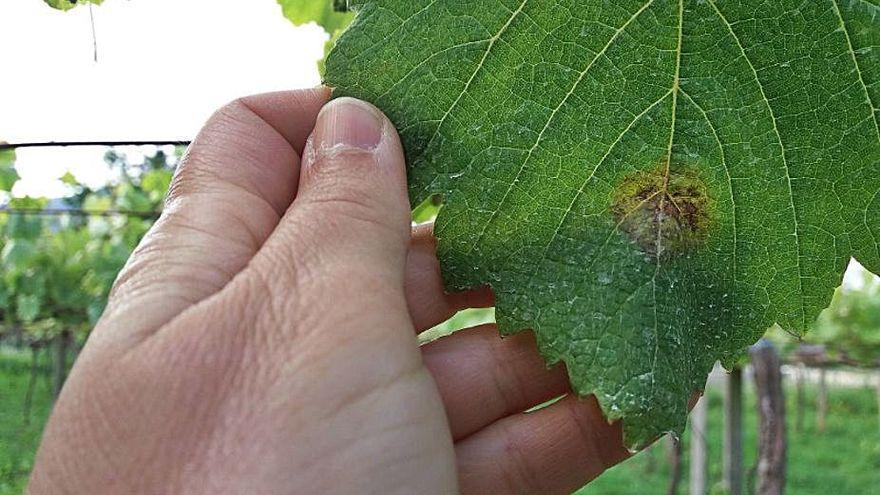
(352, 212)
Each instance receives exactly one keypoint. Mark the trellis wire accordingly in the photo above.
(65, 144)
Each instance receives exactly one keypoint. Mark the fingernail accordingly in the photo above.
(348, 122)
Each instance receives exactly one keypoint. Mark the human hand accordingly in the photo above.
(262, 338)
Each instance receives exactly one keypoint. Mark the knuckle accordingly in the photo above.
(202, 167)
(233, 115)
(509, 380)
(341, 212)
(595, 432)
(141, 261)
(345, 191)
(520, 475)
(343, 159)
(229, 133)
(193, 172)
(276, 271)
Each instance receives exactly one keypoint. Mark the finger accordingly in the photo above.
(348, 231)
(326, 291)
(429, 305)
(555, 450)
(236, 180)
(483, 378)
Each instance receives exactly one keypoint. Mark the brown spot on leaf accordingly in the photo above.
(665, 211)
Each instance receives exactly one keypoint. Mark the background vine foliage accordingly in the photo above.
(648, 184)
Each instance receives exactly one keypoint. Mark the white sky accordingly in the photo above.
(163, 67)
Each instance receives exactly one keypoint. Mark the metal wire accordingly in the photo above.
(51, 144)
(60, 212)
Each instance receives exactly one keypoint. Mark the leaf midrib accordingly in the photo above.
(676, 82)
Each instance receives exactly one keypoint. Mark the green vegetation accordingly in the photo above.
(59, 261)
(321, 12)
(845, 459)
(19, 438)
(69, 4)
(850, 327)
(59, 257)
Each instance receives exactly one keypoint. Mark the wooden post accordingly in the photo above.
(18, 331)
(822, 401)
(32, 384)
(767, 368)
(800, 403)
(733, 448)
(878, 397)
(59, 361)
(675, 464)
(816, 357)
(698, 447)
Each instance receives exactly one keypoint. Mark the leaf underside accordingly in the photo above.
(648, 185)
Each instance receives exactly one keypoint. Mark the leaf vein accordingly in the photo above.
(855, 60)
(784, 161)
(552, 117)
(676, 82)
(729, 183)
(592, 174)
(480, 65)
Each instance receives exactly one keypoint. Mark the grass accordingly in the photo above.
(845, 459)
(19, 438)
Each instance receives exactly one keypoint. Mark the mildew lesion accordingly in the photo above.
(666, 210)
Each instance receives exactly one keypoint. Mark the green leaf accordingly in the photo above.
(27, 307)
(69, 4)
(156, 183)
(15, 253)
(8, 174)
(427, 211)
(133, 198)
(97, 203)
(69, 179)
(321, 12)
(28, 202)
(329, 14)
(23, 226)
(850, 327)
(648, 184)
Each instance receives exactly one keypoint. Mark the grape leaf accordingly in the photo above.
(69, 4)
(28, 307)
(8, 174)
(647, 184)
(332, 15)
(326, 13)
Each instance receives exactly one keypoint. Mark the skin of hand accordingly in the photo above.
(263, 338)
